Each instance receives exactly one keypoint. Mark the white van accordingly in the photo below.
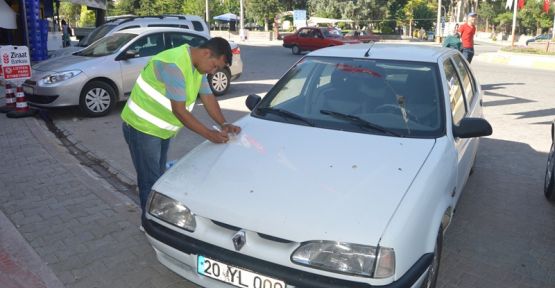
(191, 22)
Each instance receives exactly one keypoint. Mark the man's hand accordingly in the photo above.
(230, 128)
(217, 137)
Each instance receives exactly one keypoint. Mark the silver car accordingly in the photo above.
(104, 73)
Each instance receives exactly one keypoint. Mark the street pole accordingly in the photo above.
(515, 4)
(207, 14)
(242, 23)
(438, 23)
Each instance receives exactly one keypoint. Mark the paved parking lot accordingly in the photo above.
(503, 234)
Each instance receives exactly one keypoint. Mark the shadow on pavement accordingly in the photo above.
(502, 232)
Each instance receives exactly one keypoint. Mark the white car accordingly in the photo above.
(102, 74)
(346, 174)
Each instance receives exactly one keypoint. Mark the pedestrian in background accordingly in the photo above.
(467, 31)
(453, 40)
(161, 102)
(66, 42)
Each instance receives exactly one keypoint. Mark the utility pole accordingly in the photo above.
(242, 23)
(207, 14)
(438, 23)
(515, 4)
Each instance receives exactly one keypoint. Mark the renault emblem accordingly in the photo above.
(239, 240)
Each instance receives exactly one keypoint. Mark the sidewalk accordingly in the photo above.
(63, 226)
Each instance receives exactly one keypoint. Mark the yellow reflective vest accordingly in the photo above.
(148, 109)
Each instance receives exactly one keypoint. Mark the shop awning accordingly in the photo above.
(7, 16)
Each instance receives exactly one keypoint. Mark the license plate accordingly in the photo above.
(28, 90)
(235, 276)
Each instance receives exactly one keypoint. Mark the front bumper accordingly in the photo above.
(65, 93)
(178, 252)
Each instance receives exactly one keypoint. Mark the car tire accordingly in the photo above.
(296, 50)
(549, 184)
(219, 82)
(433, 269)
(97, 98)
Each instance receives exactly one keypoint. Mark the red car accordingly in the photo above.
(362, 35)
(312, 38)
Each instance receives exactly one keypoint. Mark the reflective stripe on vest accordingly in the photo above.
(148, 109)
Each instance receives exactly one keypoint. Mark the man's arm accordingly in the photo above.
(191, 122)
(213, 108)
(172, 77)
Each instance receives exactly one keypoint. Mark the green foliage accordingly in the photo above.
(264, 9)
(423, 12)
(86, 18)
(533, 18)
(504, 19)
(70, 12)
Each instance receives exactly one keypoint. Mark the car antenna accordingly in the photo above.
(368, 51)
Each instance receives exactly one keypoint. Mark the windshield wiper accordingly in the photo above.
(284, 114)
(359, 121)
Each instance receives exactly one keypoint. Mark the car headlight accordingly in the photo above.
(59, 76)
(346, 258)
(171, 211)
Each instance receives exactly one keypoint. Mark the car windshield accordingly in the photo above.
(107, 45)
(396, 98)
(96, 34)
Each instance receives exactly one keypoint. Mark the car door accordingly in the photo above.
(459, 110)
(145, 47)
(304, 38)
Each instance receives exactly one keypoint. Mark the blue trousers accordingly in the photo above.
(468, 54)
(149, 155)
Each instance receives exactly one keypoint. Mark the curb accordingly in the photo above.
(519, 60)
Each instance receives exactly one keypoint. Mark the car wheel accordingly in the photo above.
(433, 269)
(296, 50)
(97, 98)
(549, 185)
(219, 82)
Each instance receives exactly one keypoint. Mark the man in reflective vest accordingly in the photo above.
(161, 102)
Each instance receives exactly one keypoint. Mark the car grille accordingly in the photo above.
(264, 236)
(40, 99)
(30, 82)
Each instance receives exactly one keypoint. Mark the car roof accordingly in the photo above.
(148, 30)
(386, 51)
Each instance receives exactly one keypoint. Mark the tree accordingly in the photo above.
(423, 13)
(533, 19)
(124, 7)
(264, 10)
(70, 12)
(86, 18)
(487, 12)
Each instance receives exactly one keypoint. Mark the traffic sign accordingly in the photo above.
(16, 64)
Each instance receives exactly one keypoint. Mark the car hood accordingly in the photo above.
(298, 183)
(65, 63)
(65, 51)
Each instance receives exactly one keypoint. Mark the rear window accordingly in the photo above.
(198, 26)
(96, 34)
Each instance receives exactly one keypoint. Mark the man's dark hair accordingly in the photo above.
(219, 47)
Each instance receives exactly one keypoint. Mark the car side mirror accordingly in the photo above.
(472, 127)
(252, 101)
(129, 54)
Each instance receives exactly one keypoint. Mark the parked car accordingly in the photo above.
(98, 76)
(190, 22)
(312, 38)
(542, 37)
(364, 36)
(549, 184)
(346, 174)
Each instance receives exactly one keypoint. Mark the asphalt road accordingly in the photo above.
(503, 234)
